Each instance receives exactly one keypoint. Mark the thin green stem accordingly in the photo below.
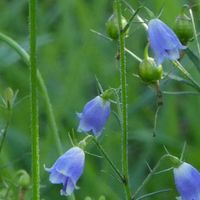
(194, 30)
(115, 169)
(180, 93)
(14, 45)
(34, 102)
(24, 55)
(187, 74)
(153, 194)
(50, 112)
(5, 130)
(124, 102)
(146, 180)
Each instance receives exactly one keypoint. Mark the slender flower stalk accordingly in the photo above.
(124, 103)
(115, 169)
(34, 102)
(5, 130)
(152, 172)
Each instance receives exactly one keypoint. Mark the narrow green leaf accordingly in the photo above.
(130, 20)
(193, 58)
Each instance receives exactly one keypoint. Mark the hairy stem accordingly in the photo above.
(34, 102)
(123, 81)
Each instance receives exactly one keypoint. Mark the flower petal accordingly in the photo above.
(187, 180)
(56, 177)
(68, 188)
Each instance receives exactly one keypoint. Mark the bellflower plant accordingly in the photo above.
(94, 116)
(67, 170)
(163, 41)
(187, 180)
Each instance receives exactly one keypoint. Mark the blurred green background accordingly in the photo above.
(69, 58)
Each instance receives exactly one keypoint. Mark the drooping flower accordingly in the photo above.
(67, 170)
(94, 116)
(187, 180)
(163, 41)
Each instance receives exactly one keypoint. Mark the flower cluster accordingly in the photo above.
(69, 167)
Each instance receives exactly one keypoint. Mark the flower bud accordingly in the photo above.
(102, 197)
(183, 28)
(112, 27)
(8, 98)
(88, 198)
(149, 71)
(24, 179)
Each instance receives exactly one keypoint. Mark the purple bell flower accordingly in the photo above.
(94, 116)
(67, 170)
(187, 180)
(163, 41)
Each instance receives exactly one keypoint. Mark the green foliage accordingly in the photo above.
(70, 58)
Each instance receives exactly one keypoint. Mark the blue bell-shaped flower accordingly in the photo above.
(94, 116)
(187, 180)
(163, 41)
(67, 170)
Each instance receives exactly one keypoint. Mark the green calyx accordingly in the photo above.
(112, 27)
(183, 28)
(106, 95)
(148, 70)
(83, 143)
(176, 162)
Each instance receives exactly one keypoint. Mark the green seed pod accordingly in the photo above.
(149, 71)
(183, 28)
(112, 27)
